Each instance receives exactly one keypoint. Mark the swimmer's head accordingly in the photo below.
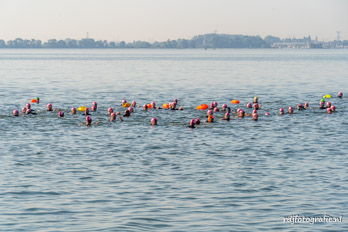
(227, 116)
(267, 113)
(322, 104)
(333, 108)
(281, 111)
(255, 100)
(61, 114)
(216, 109)
(340, 94)
(328, 104)
(197, 121)
(254, 112)
(49, 107)
(28, 111)
(299, 107)
(28, 106)
(209, 112)
(153, 121)
(290, 110)
(241, 113)
(88, 121)
(256, 106)
(126, 113)
(172, 105)
(110, 110)
(175, 100)
(131, 109)
(153, 104)
(329, 110)
(249, 105)
(123, 101)
(134, 104)
(94, 108)
(112, 117)
(15, 113)
(24, 109)
(86, 111)
(145, 107)
(73, 110)
(306, 105)
(192, 123)
(255, 116)
(224, 106)
(94, 103)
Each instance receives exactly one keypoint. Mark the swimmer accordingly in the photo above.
(153, 104)
(73, 110)
(290, 110)
(256, 106)
(145, 107)
(88, 121)
(281, 111)
(86, 112)
(127, 113)
(322, 105)
(227, 117)
(333, 108)
(176, 101)
(254, 112)
(300, 107)
(61, 114)
(255, 100)
(340, 94)
(241, 113)
(255, 116)
(124, 101)
(131, 109)
(267, 113)
(172, 105)
(112, 117)
(216, 109)
(249, 105)
(209, 112)
(328, 104)
(94, 108)
(154, 121)
(306, 105)
(28, 106)
(210, 118)
(134, 104)
(224, 107)
(24, 109)
(329, 110)
(15, 113)
(110, 110)
(49, 107)
(197, 121)
(192, 123)
(94, 103)
(29, 111)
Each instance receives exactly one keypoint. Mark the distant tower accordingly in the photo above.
(87, 35)
(338, 35)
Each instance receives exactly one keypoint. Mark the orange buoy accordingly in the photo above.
(149, 106)
(202, 107)
(165, 106)
(33, 100)
(235, 101)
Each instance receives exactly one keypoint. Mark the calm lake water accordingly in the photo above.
(58, 175)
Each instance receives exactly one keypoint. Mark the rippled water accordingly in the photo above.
(241, 175)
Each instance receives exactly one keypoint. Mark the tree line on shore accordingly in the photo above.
(212, 40)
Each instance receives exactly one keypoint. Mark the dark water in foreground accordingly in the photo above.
(58, 175)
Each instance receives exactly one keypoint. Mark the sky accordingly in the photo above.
(159, 20)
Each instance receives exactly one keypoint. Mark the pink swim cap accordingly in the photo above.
(28, 111)
(153, 121)
(73, 110)
(112, 116)
(328, 104)
(209, 112)
(110, 110)
(329, 110)
(224, 106)
(131, 109)
(255, 116)
(88, 120)
(333, 108)
(94, 107)
(216, 109)
(256, 106)
(123, 101)
(94, 103)
(306, 104)
(340, 94)
(281, 111)
(134, 103)
(254, 112)
(24, 109)
(197, 121)
(290, 110)
(49, 107)
(28, 106)
(60, 114)
(249, 105)
(15, 113)
(267, 113)
(192, 122)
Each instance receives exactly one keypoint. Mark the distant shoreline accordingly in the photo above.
(206, 41)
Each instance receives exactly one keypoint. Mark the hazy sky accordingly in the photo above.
(162, 19)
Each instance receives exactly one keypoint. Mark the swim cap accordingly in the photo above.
(290, 110)
(134, 103)
(28, 106)
(216, 109)
(94, 107)
(333, 108)
(49, 107)
(249, 105)
(60, 114)
(15, 113)
(24, 109)
(153, 121)
(131, 109)
(254, 112)
(123, 101)
(112, 116)
(94, 103)
(224, 106)
(281, 111)
(329, 110)
(209, 112)
(110, 110)
(73, 110)
(306, 104)
(192, 123)
(340, 94)
(255, 116)
(256, 106)
(197, 121)
(328, 104)
(88, 120)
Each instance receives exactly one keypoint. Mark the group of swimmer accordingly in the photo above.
(211, 109)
